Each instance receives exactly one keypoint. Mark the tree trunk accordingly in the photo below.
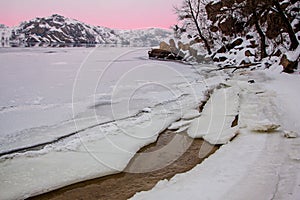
(206, 44)
(292, 35)
(263, 52)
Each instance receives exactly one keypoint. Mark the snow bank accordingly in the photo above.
(252, 166)
(191, 114)
(214, 124)
(24, 175)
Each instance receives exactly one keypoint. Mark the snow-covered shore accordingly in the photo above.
(255, 165)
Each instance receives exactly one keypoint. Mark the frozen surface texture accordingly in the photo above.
(90, 111)
(215, 123)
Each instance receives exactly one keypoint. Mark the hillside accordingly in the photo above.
(57, 29)
(239, 33)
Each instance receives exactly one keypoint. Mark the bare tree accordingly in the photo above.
(290, 31)
(191, 12)
(257, 8)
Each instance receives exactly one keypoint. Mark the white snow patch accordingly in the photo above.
(293, 55)
(191, 114)
(216, 119)
(264, 126)
(221, 138)
(179, 124)
(147, 110)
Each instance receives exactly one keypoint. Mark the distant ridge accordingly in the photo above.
(61, 30)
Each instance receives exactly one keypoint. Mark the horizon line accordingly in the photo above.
(81, 21)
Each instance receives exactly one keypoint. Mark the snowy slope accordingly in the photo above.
(59, 29)
(5, 33)
(142, 37)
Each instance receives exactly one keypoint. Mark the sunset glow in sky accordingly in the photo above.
(121, 14)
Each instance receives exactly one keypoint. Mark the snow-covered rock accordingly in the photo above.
(290, 134)
(289, 60)
(264, 126)
(147, 110)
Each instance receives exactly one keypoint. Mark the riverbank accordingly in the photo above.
(262, 162)
(124, 185)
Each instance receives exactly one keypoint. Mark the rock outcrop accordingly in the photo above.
(184, 51)
(288, 65)
(163, 54)
(258, 25)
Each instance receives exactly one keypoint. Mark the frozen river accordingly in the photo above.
(86, 110)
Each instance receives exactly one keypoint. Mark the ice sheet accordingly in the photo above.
(89, 107)
(215, 122)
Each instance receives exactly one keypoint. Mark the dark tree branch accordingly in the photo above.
(198, 27)
(292, 35)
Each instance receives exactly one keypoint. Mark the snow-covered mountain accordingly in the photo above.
(145, 37)
(59, 29)
(2, 26)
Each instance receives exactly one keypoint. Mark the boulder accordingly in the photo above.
(245, 61)
(159, 53)
(183, 47)
(288, 65)
(235, 43)
(248, 37)
(227, 25)
(220, 59)
(164, 54)
(248, 53)
(193, 52)
(213, 9)
(164, 46)
(198, 40)
(252, 44)
(173, 47)
(214, 29)
(222, 50)
(277, 53)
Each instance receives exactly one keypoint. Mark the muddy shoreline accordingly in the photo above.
(189, 152)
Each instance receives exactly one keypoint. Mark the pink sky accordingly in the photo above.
(122, 14)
